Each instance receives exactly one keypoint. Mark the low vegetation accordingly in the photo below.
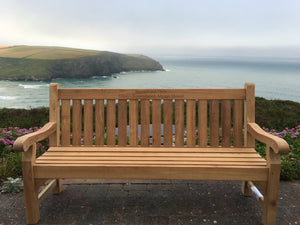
(268, 113)
(274, 114)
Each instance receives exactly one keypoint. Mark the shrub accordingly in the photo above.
(290, 163)
(11, 161)
(12, 185)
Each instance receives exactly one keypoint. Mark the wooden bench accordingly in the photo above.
(82, 136)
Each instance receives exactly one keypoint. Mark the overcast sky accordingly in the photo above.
(155, 27)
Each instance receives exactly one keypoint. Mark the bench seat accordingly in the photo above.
(151, 163)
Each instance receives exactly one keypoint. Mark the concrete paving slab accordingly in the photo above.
(178, 202)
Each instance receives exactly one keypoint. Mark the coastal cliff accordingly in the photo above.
(39, 63)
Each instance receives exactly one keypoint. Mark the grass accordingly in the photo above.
(45, 52)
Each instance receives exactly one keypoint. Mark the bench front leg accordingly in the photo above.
(271, 195)
(30, 190)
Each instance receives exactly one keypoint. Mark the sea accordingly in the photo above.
(274, 78)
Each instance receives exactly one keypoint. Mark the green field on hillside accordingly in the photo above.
(47, 63)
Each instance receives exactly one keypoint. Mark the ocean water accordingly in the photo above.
(274, 79)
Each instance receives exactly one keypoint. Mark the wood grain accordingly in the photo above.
(145, 122)
(99, 122)
(179, 123)
(238, 123)
(156, 122)
(122, 122)
(65, 122)
(111, 122)
(249, 113)
(88, 122)
(214, 123)
(76, 122)
(191, 123)
(202, 123)
(168, 123)
(54, 111)
(133, 122)
(206, 94)
(226, 123)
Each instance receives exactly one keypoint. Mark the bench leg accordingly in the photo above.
(271, 195)
(30, 194)
(246, 191)
(58, 187)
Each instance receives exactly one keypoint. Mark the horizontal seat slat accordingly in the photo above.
(152, 156)
(207, 94)
(175, 159)
(147, 154)
(164, 171)
(148, 149)
(153, 163)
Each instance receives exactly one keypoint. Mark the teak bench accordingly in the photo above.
(83, 143)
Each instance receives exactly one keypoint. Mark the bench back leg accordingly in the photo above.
(58, 187)
(246, 191)
(30, 191)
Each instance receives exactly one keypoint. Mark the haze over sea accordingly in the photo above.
(274, 79)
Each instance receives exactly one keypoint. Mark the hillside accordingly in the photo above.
(47, 63)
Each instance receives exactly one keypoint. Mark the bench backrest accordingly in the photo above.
(200, 117)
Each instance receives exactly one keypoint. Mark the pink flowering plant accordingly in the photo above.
(290, 163)
(11, 161)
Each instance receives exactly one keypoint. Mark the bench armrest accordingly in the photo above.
(22, 144)
(278, 145)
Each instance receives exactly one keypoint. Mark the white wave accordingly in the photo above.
(7, 97)
(33, 86)
(167, 70)
(99, 77)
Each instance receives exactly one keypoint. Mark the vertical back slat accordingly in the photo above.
(65, 122)
(145, 121)
(111, 122)
(168, 122)
(214, 123)
(122, 122)
(99, 122)
(202, 123)
(76, 122)
(179, 123)
(156, 122)
(88, 122)
(249, 112)
(238, 123)
(226, 123)
(133, 122)
(190, 123)
(54, 112)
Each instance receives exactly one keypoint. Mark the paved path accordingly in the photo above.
(177, 202)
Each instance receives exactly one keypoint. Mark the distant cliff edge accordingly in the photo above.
(39, 63)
